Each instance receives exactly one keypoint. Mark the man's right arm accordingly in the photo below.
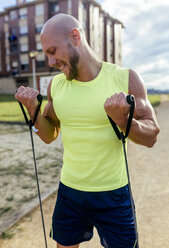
(48, 124)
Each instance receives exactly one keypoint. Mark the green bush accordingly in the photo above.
(154, 100)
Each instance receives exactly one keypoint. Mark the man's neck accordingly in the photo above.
(89, 68)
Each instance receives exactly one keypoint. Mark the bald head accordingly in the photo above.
(63, 41)
(61, 24)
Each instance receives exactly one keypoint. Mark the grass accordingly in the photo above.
(6, 235)
(154, 100)
(17, 170)
(27, 199)
(25, 186)
(7, 98)
(11, 198)
(10, 109)
(4, 210)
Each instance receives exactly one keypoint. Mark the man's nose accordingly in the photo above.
(51, 61)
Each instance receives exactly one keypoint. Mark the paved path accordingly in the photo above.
(149, 170)
(150, 179)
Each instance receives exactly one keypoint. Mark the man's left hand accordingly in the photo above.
(118, 109)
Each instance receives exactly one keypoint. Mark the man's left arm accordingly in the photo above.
(144, 128)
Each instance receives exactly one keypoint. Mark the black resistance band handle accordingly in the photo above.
(115, 128)
(131, 101)
(23, 111)
(39, 98)
(32, 122)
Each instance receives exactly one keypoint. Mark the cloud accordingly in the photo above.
(145, 38)
(5, 3)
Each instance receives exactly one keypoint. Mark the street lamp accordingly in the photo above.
(33, 55)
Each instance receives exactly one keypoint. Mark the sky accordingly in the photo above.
(145, 37)
(6, 3)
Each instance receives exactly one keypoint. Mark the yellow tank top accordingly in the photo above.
(93, 158)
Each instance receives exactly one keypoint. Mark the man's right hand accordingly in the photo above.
(28, 97)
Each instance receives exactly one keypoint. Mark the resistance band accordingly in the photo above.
(131, 101)
(31, 123)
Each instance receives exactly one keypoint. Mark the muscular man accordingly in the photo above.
(94, 189)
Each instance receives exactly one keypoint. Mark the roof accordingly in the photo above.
(94, 2)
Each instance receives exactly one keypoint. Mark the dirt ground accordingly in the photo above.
(17, 169)
(149, 171)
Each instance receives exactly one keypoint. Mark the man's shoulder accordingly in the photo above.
(58, 77)
(116, 71)
(56, 82)
(113, 67)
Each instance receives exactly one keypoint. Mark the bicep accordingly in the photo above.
(49, 112)
(143, 108)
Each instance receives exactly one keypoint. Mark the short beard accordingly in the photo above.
(73, 60)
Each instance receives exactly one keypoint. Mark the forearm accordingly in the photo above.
(47, 124)
(143, 132)
(47, 131)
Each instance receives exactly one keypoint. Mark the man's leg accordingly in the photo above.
(61, 246)
(112, 217)
(70, 225)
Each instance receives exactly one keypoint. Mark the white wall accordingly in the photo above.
(7, 85)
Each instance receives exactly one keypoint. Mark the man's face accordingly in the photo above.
(61, 54)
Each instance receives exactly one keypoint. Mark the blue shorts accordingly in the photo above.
(77, 212)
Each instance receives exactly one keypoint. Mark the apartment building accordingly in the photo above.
(20, 28)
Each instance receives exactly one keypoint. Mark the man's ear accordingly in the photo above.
(75, 36)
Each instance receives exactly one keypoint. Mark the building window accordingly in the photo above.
(22, 81)
(54, 7)
(39, 10)
(40, 64)
(14, 48)
(14, 63)
(24, 62)
(24, 66)
(8, 67)
(40, 60)
(24, 48)
(12, 35)
(14, 68)
(84, 5)
(13, 31)
(6, 35)
(23, 30)
(23, 13)
(38, 28)
(39, 46)
(12, 38)
(7, 51)
(84, 24)
(13, 15)
(69, 7)
(6, 18)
